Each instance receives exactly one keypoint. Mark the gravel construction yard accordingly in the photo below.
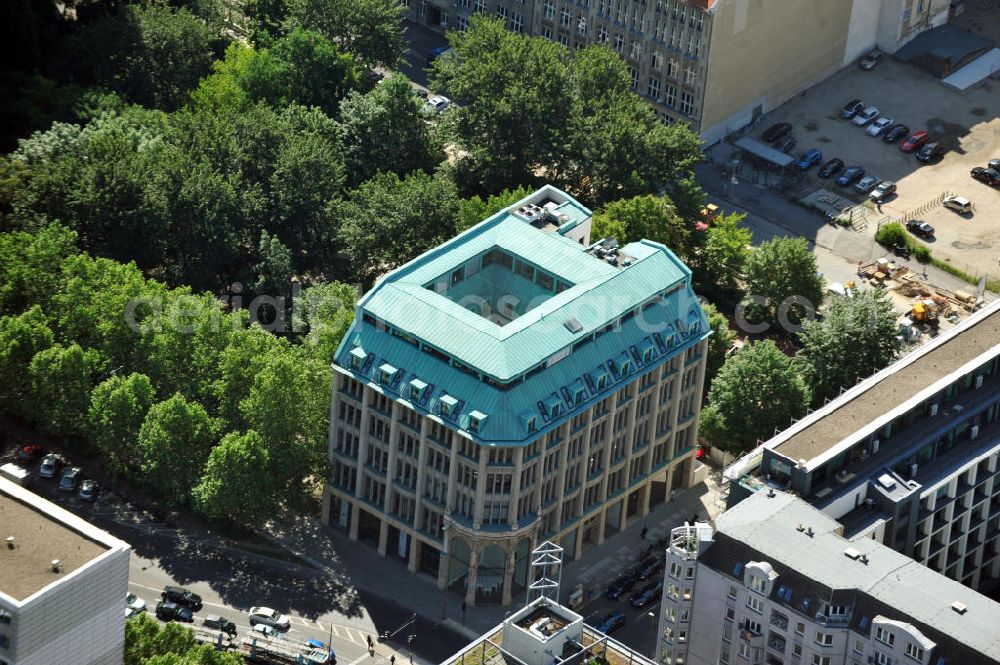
(967, 123)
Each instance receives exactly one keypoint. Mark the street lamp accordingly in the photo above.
(652, 630)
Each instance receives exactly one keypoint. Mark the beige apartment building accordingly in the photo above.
(717, 65)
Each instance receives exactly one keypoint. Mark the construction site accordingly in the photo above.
(268, 650)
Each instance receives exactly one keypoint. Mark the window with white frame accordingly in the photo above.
(755, 603)
(502, 12)
(602, 35)
(884, 636)
(824, 639)
(565, 17)
(547, 32)
(689, 74)
(724, 655)
(675, 568)
(687, 103)
(581, 26)
(444, 18)
(821, 660)
(753, 626)
(732, 589)
(756, 583)
(516, 22)
(619, 43)
(634, 75)
(549, 9)
(800, 628)
(605, 8)
(913, 651)
(730, 614)
(564, 40)
(859, 646)
(461, 22)
(634, 49)
(883, 658)
(463, 3)
(480, 6)
(422, 8)
(745, 650)
(620, 16)
(689, 573)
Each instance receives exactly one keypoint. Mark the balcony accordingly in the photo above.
(776, 642)
(780, 621)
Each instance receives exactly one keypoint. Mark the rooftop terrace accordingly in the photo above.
(39, 538)
(878, 398)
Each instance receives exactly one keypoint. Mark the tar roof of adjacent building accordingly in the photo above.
(43, 532)
(633, 313)
(766, 526)
(897, 388)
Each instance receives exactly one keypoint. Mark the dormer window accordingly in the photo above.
(417, 388)
(386, 374)
(646, 350)
(599, 379)
(553, 406)
(578, 392)
(358, 357)
(530, 421)
(476, 420)
(448, 405)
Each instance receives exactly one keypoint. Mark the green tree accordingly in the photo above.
(21, 338)
(856, 337)
(30, 271)
(719, 343)
(781, 275)
(475, 209)
(150, 53)
(237, 483)
(174, 442)
(644, 217)
(388, 221)
(383, 131)
(322, 313)
(274, 269)
(61, 380)
(757, 391)
(370, 30)
(725, 254)
(147, 643)
(118, 408)
(237, 366)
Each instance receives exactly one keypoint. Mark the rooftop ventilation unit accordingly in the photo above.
(959, 607)
(10, 543)
(56, 565)
(852, 554)
(573, 325)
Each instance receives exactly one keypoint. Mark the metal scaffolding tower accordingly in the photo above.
(546, 572)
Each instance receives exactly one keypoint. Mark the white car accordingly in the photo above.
(437, 103)
(959, 204)
(264, 630)
(269, 617)
(879, 125)
(134, 605)
(867, 114)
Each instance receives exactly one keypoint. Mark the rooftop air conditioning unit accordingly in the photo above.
(979, 382)
(974, 431)
(875, 443)
(913, 470)
(934, 409)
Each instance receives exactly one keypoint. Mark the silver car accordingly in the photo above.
(269, 617)
(866, 184)
(879, 126)
(867, 114)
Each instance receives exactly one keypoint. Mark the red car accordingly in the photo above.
(916, 140)
(30, 452)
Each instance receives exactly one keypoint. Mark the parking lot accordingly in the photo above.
(967, 123)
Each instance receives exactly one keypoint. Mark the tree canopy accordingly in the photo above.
(650, 217)
(782, 278)
(757, 391)
(856, 337)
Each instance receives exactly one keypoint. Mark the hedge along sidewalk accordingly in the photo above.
(894, 232)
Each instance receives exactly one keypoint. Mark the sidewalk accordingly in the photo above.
(388, 580)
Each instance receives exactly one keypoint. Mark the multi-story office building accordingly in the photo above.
(908, 456)
(716, 65)
(517, 383)
(546, 633)
(62, 585)
(777, 583)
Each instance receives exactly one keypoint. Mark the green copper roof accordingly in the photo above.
(600, 322)
(600, 292)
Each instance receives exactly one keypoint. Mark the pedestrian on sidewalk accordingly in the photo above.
(371, 646)
(392, 659)
(642, 534)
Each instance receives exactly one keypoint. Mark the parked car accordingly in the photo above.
(51, 465)
(809, 159)
(880, 125)
(621, 585)
(851, 109)
(850, 175)
(919, 228)
(182, 596)
(437, 104)
(994, 164)
(168, 611)
(89, 489)
(134, 605)
(70, 479)
(420, 92)
(989, 176)
(776, 131)
(786, 145)
(215, 622)
(832, 167)
(916, 140)
(883, 190)
(869, 61)
(611, 623)
(930, 152)
(895, 133)
(866, 184)
(866, 115)
(959, 204)
(649, 568)
(269, 617)
(265, 630)
(320, 654)
(30, 452)
(436, 53)
(647, 595)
